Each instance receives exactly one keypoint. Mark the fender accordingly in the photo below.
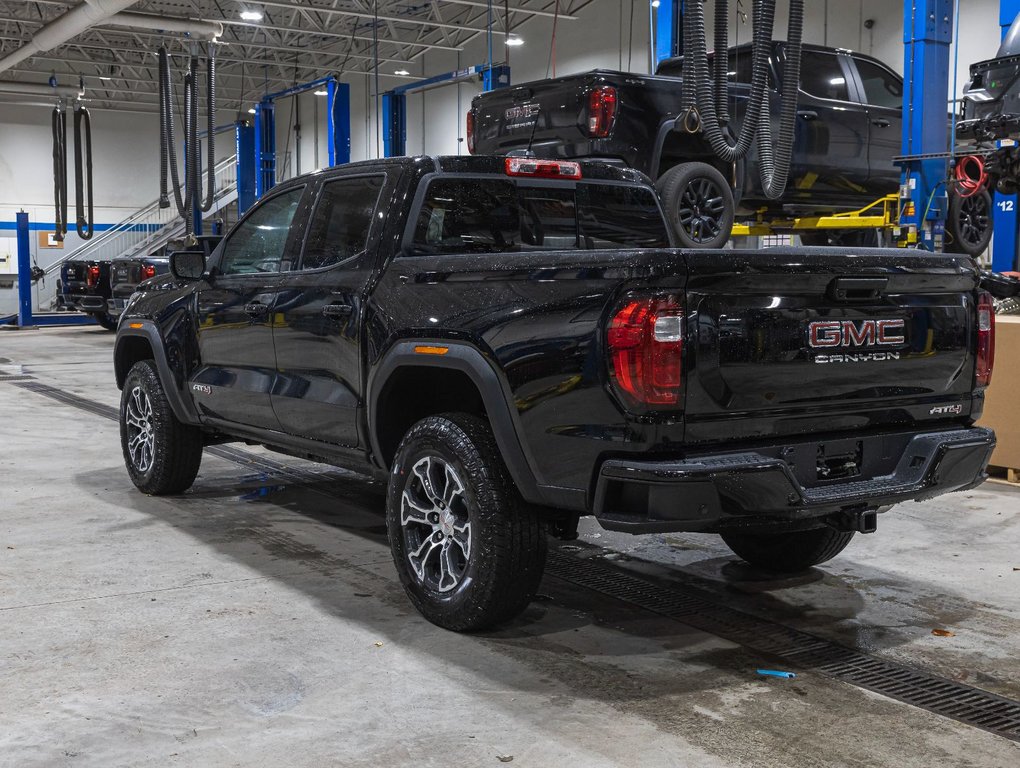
(496, 397)
(183, 407)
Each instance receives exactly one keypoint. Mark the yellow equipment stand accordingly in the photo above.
(881, 214)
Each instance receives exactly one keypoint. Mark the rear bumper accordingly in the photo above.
(742, 490)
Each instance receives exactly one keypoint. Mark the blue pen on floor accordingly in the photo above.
(777, 673)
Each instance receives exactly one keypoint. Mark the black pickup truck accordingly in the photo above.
(514, 344)
(849, 125)
(85, 287)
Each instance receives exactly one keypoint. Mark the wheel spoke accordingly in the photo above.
(454, 487)
(462, 538)
(448, 576)
(423, 471)
(420, 556)
(412, 512)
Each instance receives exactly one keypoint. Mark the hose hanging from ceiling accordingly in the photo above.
(210, 130)
(58, 125)
(85, 225)
(705, 95)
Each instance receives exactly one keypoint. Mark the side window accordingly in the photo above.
(340, 223)
(618, 216)
(259, 242)
(468, 216)
(822, 76)
(881, 87)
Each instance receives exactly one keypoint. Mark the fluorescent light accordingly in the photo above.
(251, 110)
(251, 15)
(514, 40)
(321, 92)
(105, 77)
(401, 72)
(655, 3)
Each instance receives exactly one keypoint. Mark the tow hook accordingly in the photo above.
(859, 520)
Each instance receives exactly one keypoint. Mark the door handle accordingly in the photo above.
(337, 310)
(807, 114)
(255, 309)
(881, 122)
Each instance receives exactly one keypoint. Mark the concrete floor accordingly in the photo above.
(257, 620)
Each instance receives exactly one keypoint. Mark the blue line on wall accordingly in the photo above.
(49, 226)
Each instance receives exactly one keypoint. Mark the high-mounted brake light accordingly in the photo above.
(601, 112)
(92, 276)
(985, 340)
(542, 169)
(470, 131)
(645, 342)
(148, 271)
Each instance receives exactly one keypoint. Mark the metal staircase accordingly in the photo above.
(152, 227)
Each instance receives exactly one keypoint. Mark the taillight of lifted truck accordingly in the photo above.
(645, 341)
(985, 340)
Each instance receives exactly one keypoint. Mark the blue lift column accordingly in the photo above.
(668, 37)
(25, 316)
(1005, 222)
(244, 146)
(927, 37)
(394, 116)
(338, 122)
(265, 146)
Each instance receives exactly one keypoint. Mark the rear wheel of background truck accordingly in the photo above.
(109, 322)
(969, 224)
(788, 552)
(162, 455)
(468, 549)
(698, 203)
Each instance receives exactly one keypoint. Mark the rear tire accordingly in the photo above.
(969, 225)
(468, 549)
(106, 321)
(698, 203)
(788, 552)
(162, 455)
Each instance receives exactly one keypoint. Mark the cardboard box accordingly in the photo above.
(1002, 399)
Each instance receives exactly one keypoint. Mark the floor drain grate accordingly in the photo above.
(964, 703)
(16, 377)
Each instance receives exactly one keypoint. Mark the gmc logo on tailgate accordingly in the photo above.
(829, 334)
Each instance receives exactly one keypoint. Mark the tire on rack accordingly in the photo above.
(788, 552)
(105, 320)
(468, 549)
(698, 203)
(969, 225)
(162, 455)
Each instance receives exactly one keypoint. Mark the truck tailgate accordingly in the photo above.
(809, 341)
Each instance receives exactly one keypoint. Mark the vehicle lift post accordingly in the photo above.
(927, 38)
(1005, 221)
(263, 137)
(26, 318)
(668, 30)
(394, 102)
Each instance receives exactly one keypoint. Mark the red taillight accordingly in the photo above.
(471, 131)
(985, 340)
(601, 112)
(92, 277)
(542, 169)
(148, 271)
(646, 349)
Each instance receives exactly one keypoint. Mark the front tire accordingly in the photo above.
(698, 203)
(969, 224)
(788, 552)
(109, 322)
(162, 455)
(468, 549)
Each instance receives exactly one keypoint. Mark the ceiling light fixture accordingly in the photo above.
(655, 3)
(251, 110)
(514, 40)
(321, 92)
(251, 15)
(401, 72)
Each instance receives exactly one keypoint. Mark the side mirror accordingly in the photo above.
(187, 265)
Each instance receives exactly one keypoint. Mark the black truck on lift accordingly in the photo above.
(848, 131)
(513, 343)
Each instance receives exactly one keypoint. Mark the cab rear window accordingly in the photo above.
(498, 215)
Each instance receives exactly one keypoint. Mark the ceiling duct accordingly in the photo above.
(204, 30)
(42, 89)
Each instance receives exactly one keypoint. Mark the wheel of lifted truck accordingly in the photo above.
(788, 552)
(162, 454)
(698, 203)
(106, 321)
(468, 549)
(969, 224)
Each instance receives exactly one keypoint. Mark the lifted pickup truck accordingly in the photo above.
(514, 343)
(848, 132)
(85, 287)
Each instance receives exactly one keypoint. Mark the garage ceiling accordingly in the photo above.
(296, 41)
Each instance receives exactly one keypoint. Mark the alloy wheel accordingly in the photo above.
(141, 432)
(974, 218)
(702, 209)
(435, 524)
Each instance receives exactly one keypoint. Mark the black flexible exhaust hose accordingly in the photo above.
(720, 70)
(59, 128)
(164, 199)
(190, 137)
(86, 226)
(210, 191)
(166, 110)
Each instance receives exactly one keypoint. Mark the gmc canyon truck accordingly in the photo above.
(514, 343)
(849, 125)
(85, 286)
